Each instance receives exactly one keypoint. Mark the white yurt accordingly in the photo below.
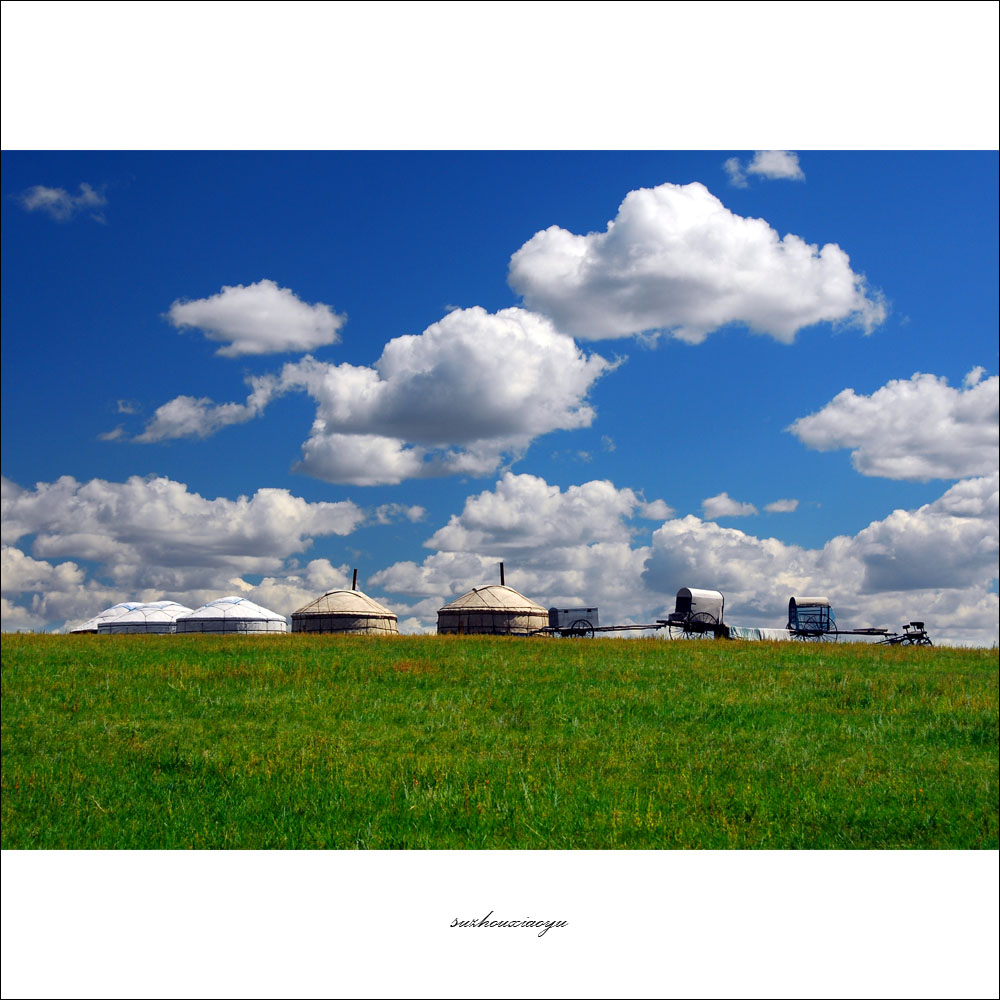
(233, 615)
(345, 612)
(107, 615)
(496, 610)
(146, 619)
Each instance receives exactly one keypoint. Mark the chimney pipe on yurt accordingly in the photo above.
(503, 583)
(354, 582)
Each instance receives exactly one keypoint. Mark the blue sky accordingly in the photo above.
(613, 429)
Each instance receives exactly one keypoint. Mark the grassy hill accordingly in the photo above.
(477, 742)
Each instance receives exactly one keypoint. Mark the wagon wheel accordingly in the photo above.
(817, 635)
(700, 626)
(582, 627)
(815, 629)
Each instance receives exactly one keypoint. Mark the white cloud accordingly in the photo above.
(756, 575)
(918, 429)
(781, 506)
(469, 391)
(676, 259)
(20, 573)
(62, 206)
(656, 510)
(17, 618)
(524, 512)
(974, 377)
(153, 534)
(771, 164)
(776, 164)
(294, 587)
(388, 513)
(723, 505)
(261, 318)
(567, 546)
(951, 543)
(185, 416)
(576, 547)
(39, 593)
(737, 175)
(936, 563)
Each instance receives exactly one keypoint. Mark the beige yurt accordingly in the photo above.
(496, 610)
(345, 612)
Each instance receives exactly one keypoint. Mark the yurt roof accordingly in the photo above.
(494, 598)
(235, 608)
(158, 611)
(345, 602)
(107, 615)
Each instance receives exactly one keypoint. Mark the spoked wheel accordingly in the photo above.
(818, 636)
(816, 630)
(700, 626)
(582, 627)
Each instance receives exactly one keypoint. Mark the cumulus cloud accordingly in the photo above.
(576, 546)
(919, 428)
(776, 164)
(388, 513)
(261, 318)
(295, 586)
(185, 416)
(937, 563)
(757, 575)
(676, 259)
(59, 204)
(524, 512)
(737, 175)
(38, 593)
(20, 573)
(656, 510)
(155, 534)
(950, 543)
(723, 505)
(974, 377)
(606, 574)
(771, 164)
(781, 506)
(96, 543)
(569, 546)
(458, 398)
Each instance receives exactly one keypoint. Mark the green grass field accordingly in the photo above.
(475, 742)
